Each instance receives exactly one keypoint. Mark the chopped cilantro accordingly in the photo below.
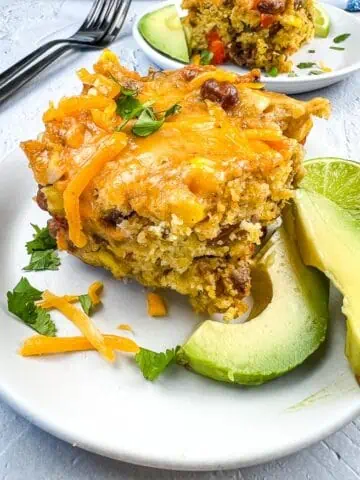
(311, 51)
(341, 38)
(316, 72)
(43, 260)
(293, 74)
(306, 65)
(128, 107)
(128, 92)
(152, 364)
(86, 304)
(42, 249)
(42, 240)
(337, 48)
(172, 110)
(148, 123)
(206, 57)
(273, 72)
(21, 302)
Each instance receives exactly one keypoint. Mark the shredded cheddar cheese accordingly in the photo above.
(94, 292)
(81, 320)
(155, 305)
(111, 146)
(71, 105)
(41, 345)
(125, 326)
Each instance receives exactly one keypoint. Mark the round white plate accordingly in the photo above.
(181, 421)
(342, 63)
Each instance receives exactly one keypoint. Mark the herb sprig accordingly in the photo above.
(304, 65)
(147, 121)
(42, 249)
(341, 38)
(205, 57)
(152, 364)
(21, 302)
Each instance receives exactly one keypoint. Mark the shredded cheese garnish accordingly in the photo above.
(155, 305)
(81, 320)
(111, 146)
(94, 292)
(125, 326)
(41, 345)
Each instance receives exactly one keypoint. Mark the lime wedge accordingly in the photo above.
(336, 179)
(322, 22)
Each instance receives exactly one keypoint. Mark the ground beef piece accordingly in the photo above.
(240, 277)
(55, 224)
(41, 199)
(223, 93)
(271, 7)
(114, 217)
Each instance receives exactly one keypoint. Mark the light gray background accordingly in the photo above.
(28, 453)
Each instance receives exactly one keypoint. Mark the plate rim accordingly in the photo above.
(337, 74)
(171, 465)
(121, 452)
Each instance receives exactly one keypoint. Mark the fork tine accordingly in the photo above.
(91, 15)
(121, 10)
(104, 14)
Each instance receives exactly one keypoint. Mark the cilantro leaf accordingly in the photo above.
(172, 110)
(147, 123)
(128, 92)
(43, 324)
(206, 57)
(341, 38)
(86, 303)
(340, 49)
(42, 240)
(303, 65)
(152, 364)
(128, 107)
(273, 72)
(21, 302)
(43, 260)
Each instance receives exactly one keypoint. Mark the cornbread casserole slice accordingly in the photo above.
(252, 33)
(185, 206)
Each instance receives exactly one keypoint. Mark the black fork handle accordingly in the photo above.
(11, 87)
(18, 81)
(9, 74)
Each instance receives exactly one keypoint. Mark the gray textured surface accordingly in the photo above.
(29, 453)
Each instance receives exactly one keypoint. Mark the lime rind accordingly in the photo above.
(322, 22)
(336, 179)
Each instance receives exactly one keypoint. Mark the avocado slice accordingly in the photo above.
(164, 31)
(283, 333)
(329, 239)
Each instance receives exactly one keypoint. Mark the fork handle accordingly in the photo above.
(8, 75)
(16, 82)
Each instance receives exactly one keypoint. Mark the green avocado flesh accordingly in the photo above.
(163, 30)
(283, 333)
(329, 239)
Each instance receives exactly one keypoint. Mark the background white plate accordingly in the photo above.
(182, 421)
(343, 63)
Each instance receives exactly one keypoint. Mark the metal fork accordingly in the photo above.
(100, 28)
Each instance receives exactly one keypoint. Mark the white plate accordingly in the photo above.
(182, 421)
(343, 63)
